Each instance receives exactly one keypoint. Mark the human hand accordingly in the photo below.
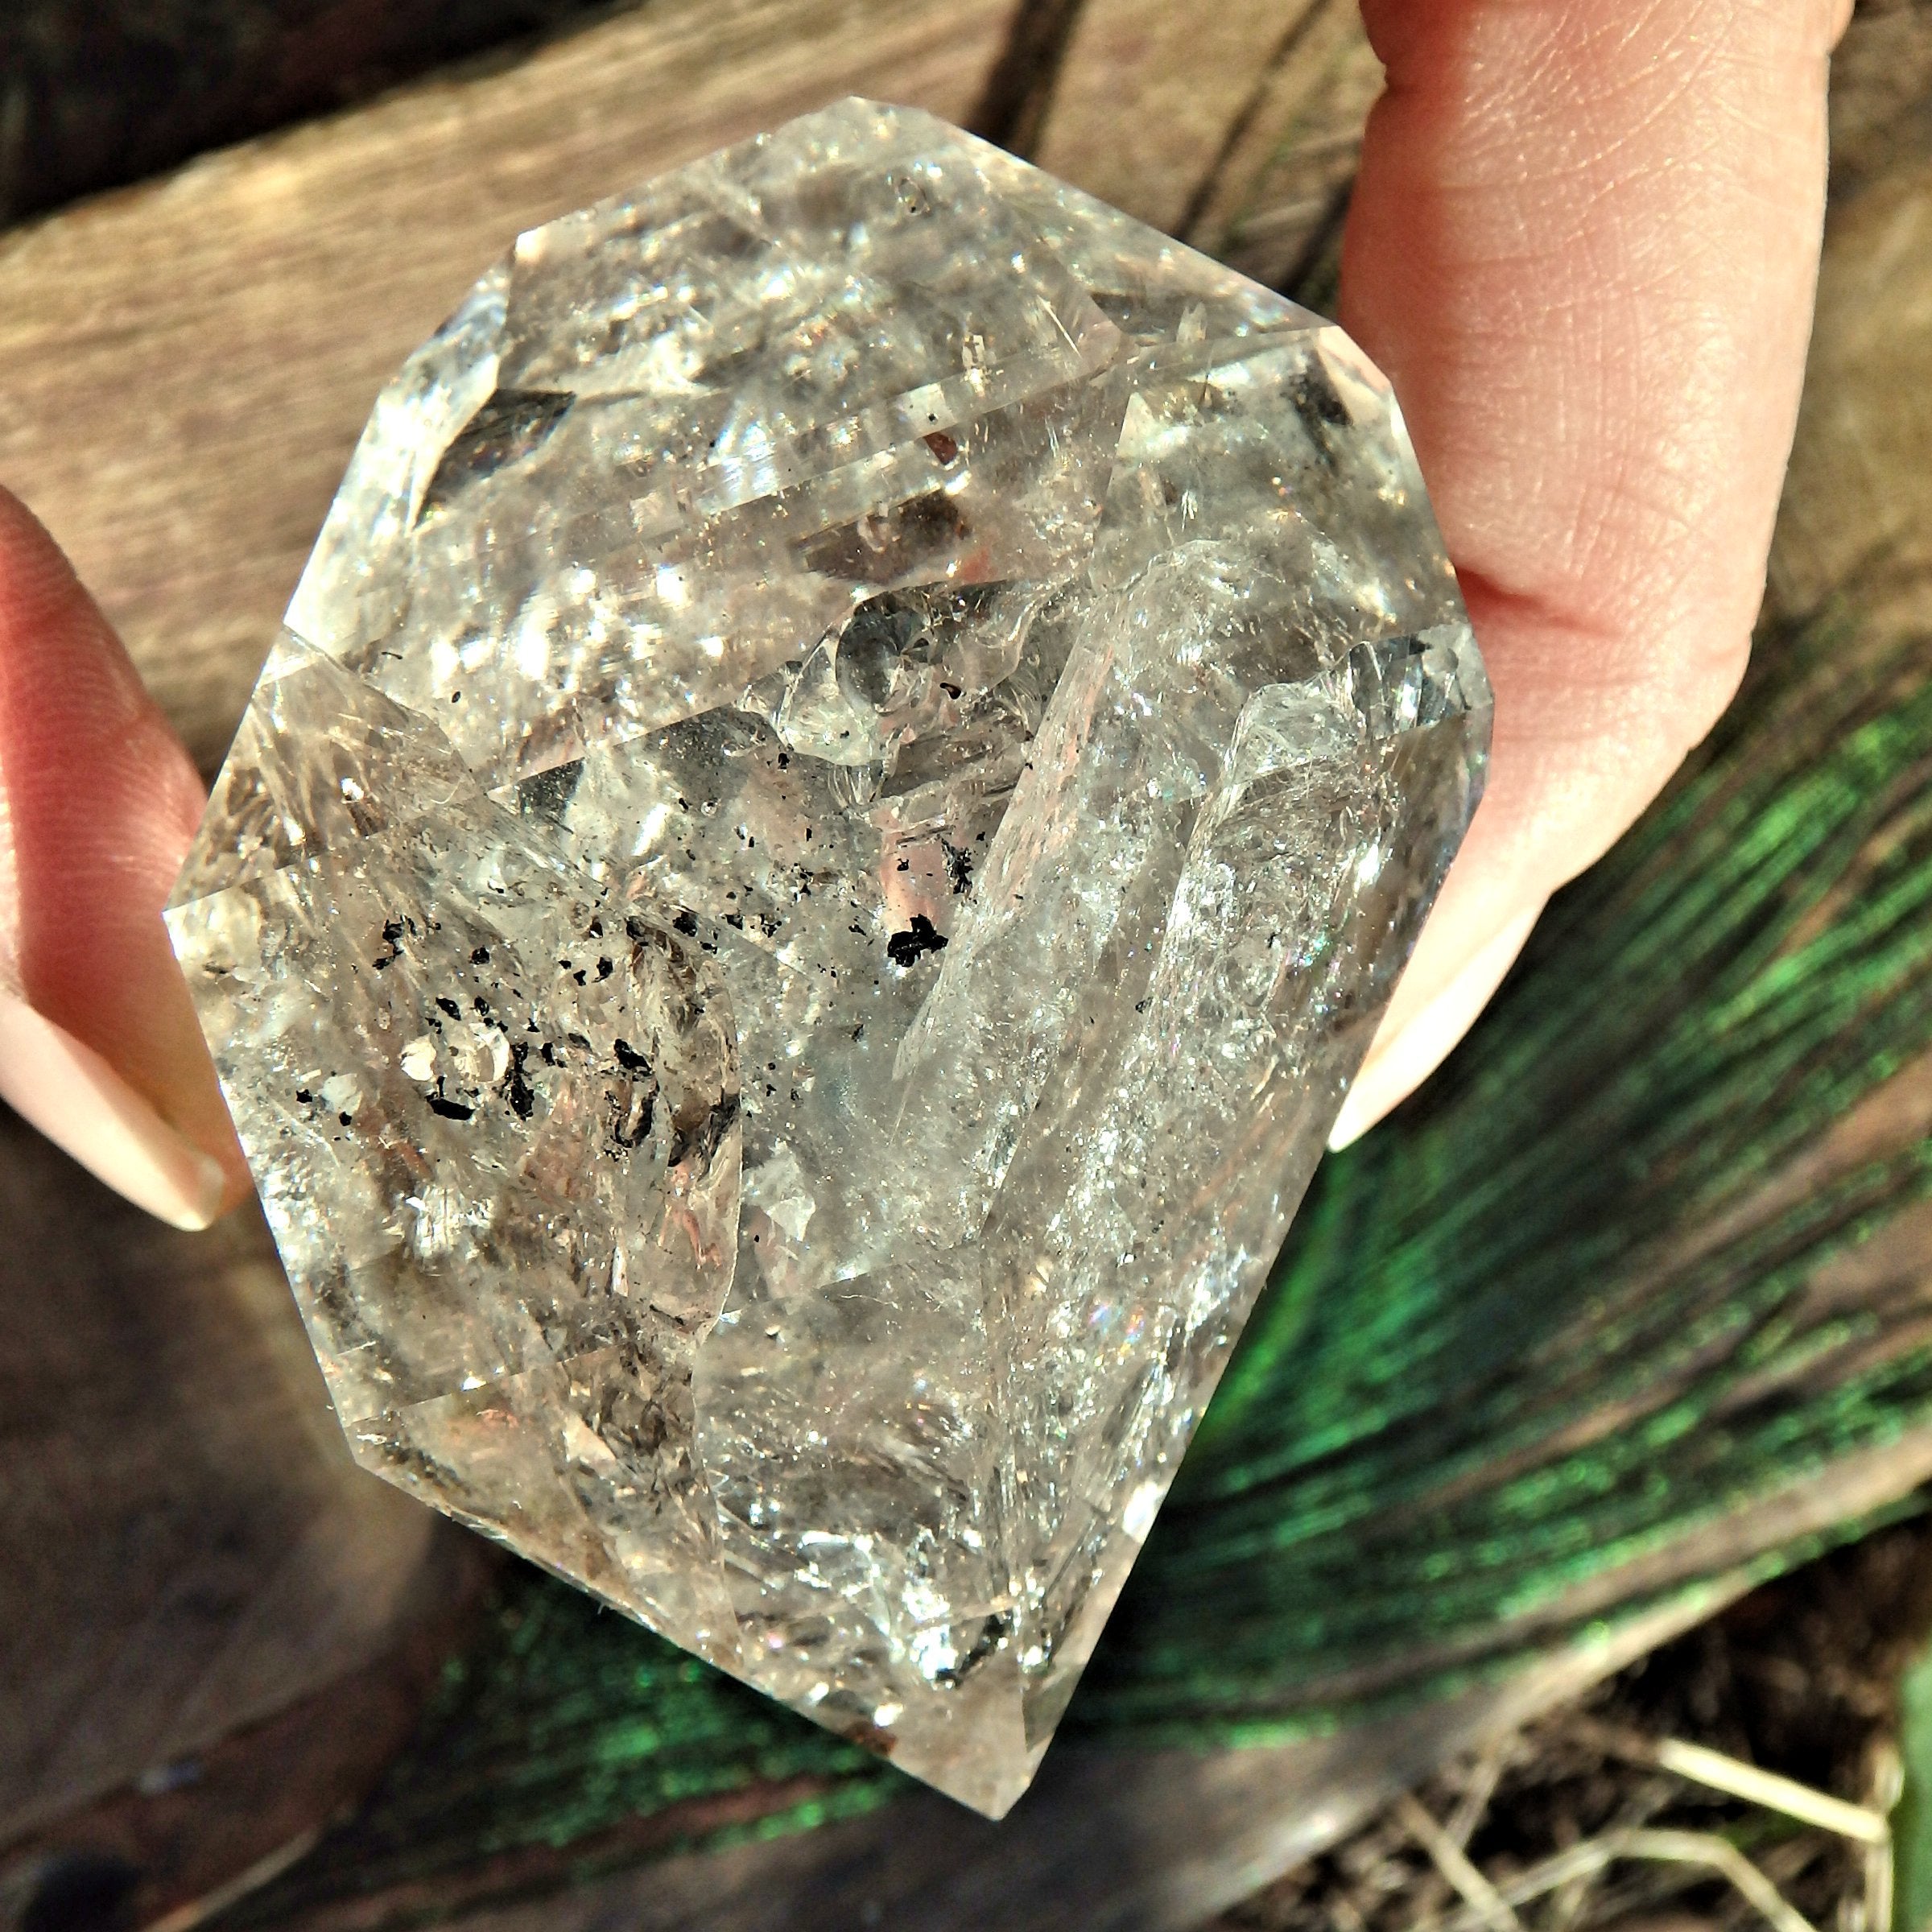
(1583, 246)
(98, 1044)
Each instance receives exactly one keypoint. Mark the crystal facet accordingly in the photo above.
(842, 792)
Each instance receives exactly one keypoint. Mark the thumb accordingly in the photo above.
(99, 1048)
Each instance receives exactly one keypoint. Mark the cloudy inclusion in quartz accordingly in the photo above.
(842, 792)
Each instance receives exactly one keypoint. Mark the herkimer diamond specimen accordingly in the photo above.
(842, 792)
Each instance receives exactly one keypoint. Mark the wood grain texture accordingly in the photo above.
(1235, 128)
(1856, 520)
(1148, 93)
(242, 1804)
(186, 366)
(1881, 92)
(185, 1545)
(1280, 185)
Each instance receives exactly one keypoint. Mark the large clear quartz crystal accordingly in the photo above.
(851, 772)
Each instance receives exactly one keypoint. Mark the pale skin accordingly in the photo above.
(1583, 246)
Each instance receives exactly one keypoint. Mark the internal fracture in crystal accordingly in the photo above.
(851, 770)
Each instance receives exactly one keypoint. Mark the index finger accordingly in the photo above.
(98, 801)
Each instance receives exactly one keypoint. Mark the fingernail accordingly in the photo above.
(1395, 1066)
(75, 1098)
